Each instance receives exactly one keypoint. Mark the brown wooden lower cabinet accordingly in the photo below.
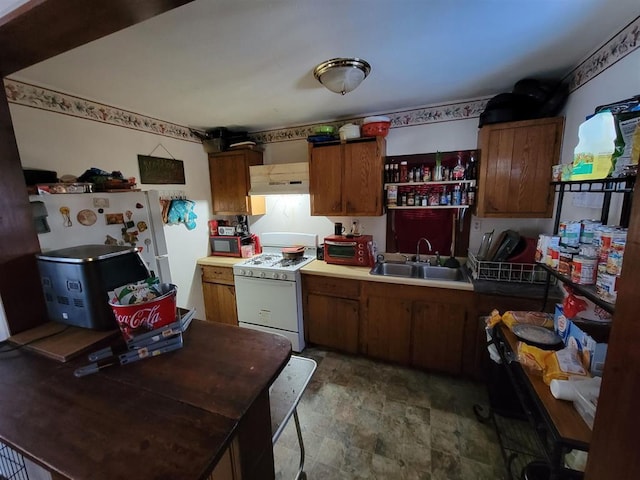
(332, 312)
(386, 332)
(333, 322)
(219, 295)
(438, 336)
(424, 327)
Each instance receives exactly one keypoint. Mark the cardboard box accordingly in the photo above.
(592, 352)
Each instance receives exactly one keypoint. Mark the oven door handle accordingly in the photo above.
(340, 244)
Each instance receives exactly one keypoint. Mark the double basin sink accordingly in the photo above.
(418, 270)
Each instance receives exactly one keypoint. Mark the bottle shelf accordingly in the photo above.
(443, 182)
(426, 207)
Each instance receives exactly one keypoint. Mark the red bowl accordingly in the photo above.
(376, 129)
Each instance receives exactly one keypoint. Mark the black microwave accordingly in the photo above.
(228, 245)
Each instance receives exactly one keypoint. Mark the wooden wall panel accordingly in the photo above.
(613, 451)
(19, 278)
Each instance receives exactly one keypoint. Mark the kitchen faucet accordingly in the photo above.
(418, 247)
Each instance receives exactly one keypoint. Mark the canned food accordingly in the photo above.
(553, 256)
(583, 270)
(588, 251)
(607, 287)
(615, 257)
(544, 242)
(565, 258)
(392, 195)
(569, 233)
(587, 227)
(606, 239)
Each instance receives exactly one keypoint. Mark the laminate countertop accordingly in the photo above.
(318, 267)
(215, 261)
(170, 416)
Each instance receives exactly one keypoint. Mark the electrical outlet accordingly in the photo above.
(476, 225)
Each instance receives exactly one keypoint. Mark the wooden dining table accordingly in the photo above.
(200, 410)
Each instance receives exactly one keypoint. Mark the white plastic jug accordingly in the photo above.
(596, 144)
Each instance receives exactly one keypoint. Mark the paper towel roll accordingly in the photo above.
(563, 389)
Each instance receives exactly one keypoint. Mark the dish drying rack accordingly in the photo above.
(507, 271)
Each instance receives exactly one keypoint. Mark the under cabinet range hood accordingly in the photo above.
(279, 179)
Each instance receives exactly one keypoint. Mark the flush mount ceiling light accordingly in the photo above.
(342, 75)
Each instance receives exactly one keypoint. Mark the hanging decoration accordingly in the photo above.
(159, 170)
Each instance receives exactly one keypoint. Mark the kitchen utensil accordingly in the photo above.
(376, 119)
(291, 253)
(348, 131)
(485, 244)
(375, 129)
(325, 129)
(320, 138)
(508, 244)
(536, 335)
(452, 262)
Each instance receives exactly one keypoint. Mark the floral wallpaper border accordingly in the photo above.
(623, 43)
(434, 114)
(45, 99)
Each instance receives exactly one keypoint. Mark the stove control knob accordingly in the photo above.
(242, 272)
(283, 276)
(262, 274)
(275, 276)
(250, 273)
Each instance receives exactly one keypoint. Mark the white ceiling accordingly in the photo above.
(249, 63)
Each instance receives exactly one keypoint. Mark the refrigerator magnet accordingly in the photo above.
(86, 217)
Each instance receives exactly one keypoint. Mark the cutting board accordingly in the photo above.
(62, 342)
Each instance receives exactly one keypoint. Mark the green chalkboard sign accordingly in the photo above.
(161, 170)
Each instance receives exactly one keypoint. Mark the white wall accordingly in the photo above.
(71, 145)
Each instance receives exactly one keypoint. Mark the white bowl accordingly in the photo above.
(349, 131)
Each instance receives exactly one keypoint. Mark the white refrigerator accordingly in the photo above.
(120, 218)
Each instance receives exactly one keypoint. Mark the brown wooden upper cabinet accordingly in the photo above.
(515, 168)
(229, 176)
(346, 178)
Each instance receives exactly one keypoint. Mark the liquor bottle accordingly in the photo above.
(404, 173)
(458, 170)
(426, 173)
(444, 198)
(386, 173)
(437, 170)
(473, 167)
(456, 199)
(464, 197)
(471, 194)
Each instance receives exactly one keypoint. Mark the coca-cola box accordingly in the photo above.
(146, 316)
(76, 282)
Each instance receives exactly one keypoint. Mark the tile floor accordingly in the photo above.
(363, 419)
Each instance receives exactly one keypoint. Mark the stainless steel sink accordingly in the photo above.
(395, 270)
(439, 273)
(418, 270)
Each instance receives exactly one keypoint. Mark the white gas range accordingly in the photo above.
(269, 286)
